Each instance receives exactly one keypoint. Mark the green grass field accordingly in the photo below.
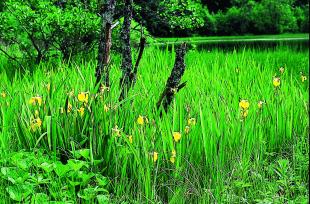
(87, 148)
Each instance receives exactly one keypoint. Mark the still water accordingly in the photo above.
(299, 45)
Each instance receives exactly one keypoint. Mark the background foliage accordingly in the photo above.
(232, 17)
(45, 28)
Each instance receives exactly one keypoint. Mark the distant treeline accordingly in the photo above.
(227, 17)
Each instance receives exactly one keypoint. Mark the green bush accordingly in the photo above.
(209, 27)
(273, 17)
(175, 17)
(233, 22)
(41, 29)
(35, 177)
(303, 19)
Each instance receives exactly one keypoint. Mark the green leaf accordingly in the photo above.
(103, 199)
(20, 192)
(47, 167)
(101, 180)
(87, 193)
(242, 184)
(85, 153)
(76, 165)
(14, 175)
(40, 198)
(61, 170)
(14, 193)
(85, 177)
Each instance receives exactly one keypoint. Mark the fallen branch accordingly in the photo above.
(173, 83)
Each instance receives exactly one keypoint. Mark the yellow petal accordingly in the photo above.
(155, 156)
(172, 160)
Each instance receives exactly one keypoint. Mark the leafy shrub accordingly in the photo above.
(171, 17)
(233, 22)
(35, 177)
(183, 16)
(42, 29)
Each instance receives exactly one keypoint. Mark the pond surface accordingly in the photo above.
(300, 45)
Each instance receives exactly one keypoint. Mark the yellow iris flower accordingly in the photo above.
(37, 100)
(35, 124)
(276, 82)
(176, 136)
(83, 97)
(155, 156)
(140, 120)
(81, 111)
(244, 104)
(191, 121)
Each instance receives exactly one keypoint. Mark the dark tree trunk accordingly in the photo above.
(126, 66)
(173, 83)
(105, 43)
(133, 75)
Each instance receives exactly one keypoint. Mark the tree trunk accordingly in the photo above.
(133, 75)
(126, 66)
(105, 43)
(173, 83)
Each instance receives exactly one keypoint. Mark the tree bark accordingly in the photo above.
(105, 43)
(126, 66)
(173, 83)
(133, 75)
